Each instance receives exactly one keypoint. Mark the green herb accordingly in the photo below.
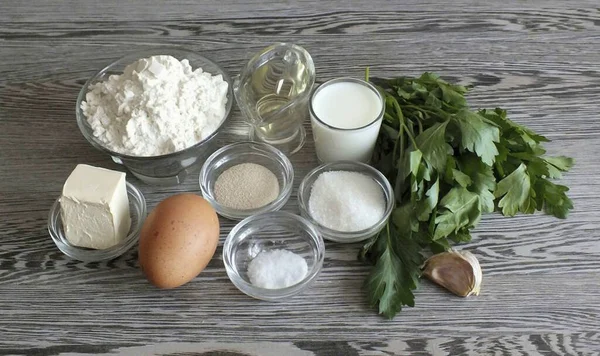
(448, 165)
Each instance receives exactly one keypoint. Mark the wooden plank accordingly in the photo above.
(541, 291)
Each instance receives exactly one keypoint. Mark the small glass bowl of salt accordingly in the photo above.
(347, 201)
(246, 178)
(274, 255)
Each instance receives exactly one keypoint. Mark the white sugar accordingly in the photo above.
(277, 269)
(346, 201)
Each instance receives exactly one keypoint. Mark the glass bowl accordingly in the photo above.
(305, 188)
(137, 208)
(246, 152)
(266, 232)
(172, 168)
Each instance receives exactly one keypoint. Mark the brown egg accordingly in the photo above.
(177, 240)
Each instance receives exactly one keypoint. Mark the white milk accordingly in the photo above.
(346, 115)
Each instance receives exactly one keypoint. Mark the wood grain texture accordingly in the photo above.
(541, 291)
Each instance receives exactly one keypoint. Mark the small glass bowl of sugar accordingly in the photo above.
(246, 178)
(274, 255)
(347, 201)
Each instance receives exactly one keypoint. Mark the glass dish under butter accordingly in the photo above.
(137, 209)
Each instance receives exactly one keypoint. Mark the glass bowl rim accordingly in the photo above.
(346, 236)
(89, 136)
(237, 214)
(266, 293)
(104, 254)
(364, 83)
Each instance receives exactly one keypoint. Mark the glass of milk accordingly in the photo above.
(346, 115)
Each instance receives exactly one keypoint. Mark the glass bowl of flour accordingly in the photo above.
(158, 112)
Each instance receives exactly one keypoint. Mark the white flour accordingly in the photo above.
(157, 106)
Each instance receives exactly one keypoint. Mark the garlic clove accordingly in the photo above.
(457, 271)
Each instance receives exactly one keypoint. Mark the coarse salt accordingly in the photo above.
(276, 269)
(346, 201)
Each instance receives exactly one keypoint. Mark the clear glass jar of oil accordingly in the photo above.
(273, 91)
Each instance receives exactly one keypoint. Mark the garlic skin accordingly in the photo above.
(457, 271)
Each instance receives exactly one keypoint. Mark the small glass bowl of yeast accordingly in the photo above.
(305, 191)
(258, 154)
(137, 209)
(273, 232)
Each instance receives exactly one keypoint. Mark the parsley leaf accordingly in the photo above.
(514, 190)
(556, 165)
(426, 206)
(463, 179)
(461, 209)
(449, 165)
(397, 269)
(478, 135)
(483, 182)
(556, 201)
(432, 144)
(385, 283)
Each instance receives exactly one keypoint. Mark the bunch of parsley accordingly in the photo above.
(448, 165)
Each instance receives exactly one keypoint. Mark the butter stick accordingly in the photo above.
(95, 207)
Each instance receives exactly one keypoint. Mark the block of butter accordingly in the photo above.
(95, 207)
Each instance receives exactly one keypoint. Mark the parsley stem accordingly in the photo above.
(401, 137)
(418, 108)
(420, 126)
(403, 121)
(412, 140)
(388, 117)
(387, 227)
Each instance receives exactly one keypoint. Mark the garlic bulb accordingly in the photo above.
(457, 271)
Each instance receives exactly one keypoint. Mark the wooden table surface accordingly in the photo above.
(541, 291)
